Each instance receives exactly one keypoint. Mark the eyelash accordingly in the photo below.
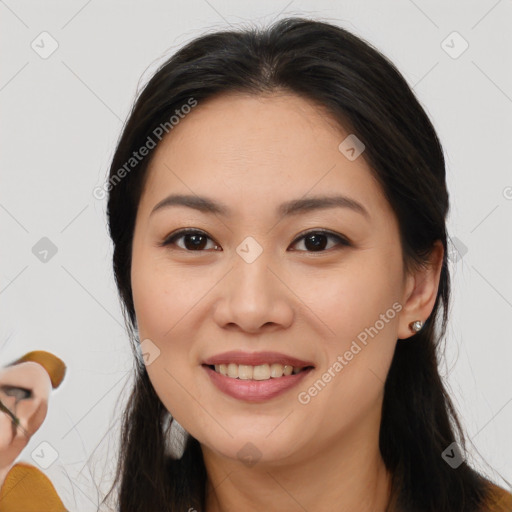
(343, 241)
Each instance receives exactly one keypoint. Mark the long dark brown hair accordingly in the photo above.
(367, 95)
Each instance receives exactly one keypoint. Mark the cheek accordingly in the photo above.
(359, 305)
(162, 301)
(162, 296)
(166, 301)
(351, 298)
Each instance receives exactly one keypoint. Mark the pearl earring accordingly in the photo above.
(416, 326)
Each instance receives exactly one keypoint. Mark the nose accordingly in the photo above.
(254, 297)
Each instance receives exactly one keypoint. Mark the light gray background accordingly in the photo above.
(61, 117)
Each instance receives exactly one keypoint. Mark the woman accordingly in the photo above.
(277, 203)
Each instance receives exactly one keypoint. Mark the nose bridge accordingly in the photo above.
(254, 295)
(252, 275)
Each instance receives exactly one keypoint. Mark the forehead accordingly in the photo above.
(249, 150)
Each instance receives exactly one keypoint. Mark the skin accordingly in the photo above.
(252, 153)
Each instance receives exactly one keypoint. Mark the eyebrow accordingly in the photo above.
(293, 207)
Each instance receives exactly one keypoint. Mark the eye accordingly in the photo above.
(195, 240)
(317, 240)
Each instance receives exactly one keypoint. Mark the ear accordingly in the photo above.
(420, 292)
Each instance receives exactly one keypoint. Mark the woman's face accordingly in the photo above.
(250, 281)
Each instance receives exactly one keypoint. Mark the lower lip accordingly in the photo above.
(255, 390)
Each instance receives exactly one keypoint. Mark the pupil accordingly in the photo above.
(197, 244)
(317, 243)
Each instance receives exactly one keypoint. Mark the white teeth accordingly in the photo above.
(276, 370)
(244, 372)
(232, 370)
(260, 372)
(287, 370)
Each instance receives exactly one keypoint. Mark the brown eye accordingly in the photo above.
(316, 241)
(193, 240)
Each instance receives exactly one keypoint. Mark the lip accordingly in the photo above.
(255, 359)
(255, 390)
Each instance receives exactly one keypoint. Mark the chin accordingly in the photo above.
(257, 447)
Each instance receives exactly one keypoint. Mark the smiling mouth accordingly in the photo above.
(259, 372)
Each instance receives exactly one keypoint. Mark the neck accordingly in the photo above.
(344, 474)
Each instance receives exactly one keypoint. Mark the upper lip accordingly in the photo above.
(255, 359)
